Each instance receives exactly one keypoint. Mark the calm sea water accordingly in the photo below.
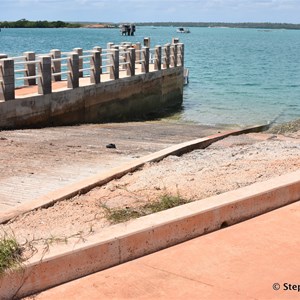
(237, 76)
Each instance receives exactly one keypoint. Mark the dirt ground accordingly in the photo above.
(226, 165)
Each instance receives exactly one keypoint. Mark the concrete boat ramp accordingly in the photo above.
(35, 162)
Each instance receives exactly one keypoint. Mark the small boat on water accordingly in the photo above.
(183, 30)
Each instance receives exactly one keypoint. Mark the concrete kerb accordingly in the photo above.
(115, 173)
(123, 242)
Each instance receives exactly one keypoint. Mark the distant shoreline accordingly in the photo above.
(202, 24)
(248, 25)
(23, 23)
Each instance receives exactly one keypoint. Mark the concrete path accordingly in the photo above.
(34, 162)
(256, 259)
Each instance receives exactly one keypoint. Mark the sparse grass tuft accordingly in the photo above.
(165, 202)
(10, 253)
(119, 215)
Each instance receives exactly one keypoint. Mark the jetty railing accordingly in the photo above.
(44, 69)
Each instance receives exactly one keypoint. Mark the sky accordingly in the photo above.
(281, 11)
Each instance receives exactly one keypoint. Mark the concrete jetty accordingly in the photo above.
(122, 82)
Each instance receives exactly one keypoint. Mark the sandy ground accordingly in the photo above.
(226, 165)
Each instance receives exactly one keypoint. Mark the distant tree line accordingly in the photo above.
(221, 24)
(23, 23)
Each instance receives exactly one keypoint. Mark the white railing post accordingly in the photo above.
(147, 42)
(145, 62)
(157, 58)
(138, 48)
(95, 62)
(56, 65)
(79, 51)
(124, 57)
(99, 49)
(131, 60)
(114, 62)
(181, 54)
(167, 56)
(109, 45)
(73, 68)
(7, 79)
(175, 40)
(174, 55)
(30, 68)
(44, 72)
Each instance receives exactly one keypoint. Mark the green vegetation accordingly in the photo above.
(23, 23)
(220, 24)
(165, 202)
(10, 253)
(119, 215)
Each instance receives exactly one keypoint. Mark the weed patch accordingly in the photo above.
(10, 253)
(119, 215)
(165, 202)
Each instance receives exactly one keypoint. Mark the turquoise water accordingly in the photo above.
(237, 76)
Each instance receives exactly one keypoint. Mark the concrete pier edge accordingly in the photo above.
(86, 185)
(124, 242)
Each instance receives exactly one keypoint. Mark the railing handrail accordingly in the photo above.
(86, 56)
(59, 59)
(27, 62)
(61, 73)
(86, 69)
(67, 52)
(28, 77)
(17, 57)
(20, 70)
(77, 62)
(124, 63)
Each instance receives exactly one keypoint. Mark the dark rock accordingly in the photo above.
(111, 146)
